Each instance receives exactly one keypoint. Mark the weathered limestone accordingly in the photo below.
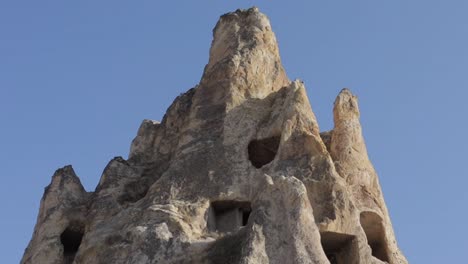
(236, 172)
(62, 206)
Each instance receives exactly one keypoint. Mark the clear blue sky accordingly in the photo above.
(78, 77)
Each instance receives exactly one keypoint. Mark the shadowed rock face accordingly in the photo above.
(236, 172)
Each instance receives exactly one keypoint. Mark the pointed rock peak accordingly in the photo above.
(244, 56)
(65, 172)
(238, 32)
(63, 180)
(345, 106)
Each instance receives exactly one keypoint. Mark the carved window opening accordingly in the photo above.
(263, 151)
(228, 216)
(375, 233)
(71, 240)
(340, 248)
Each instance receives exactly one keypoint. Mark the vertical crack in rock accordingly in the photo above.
(236, 172)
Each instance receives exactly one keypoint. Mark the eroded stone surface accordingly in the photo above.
(244, 139)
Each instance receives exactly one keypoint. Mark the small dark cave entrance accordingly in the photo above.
(71, 240)
(375, 233)
(263, 151)
(340, 248)
(228, 216)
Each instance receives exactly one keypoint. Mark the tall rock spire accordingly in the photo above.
(349, 152)
(236, 172)
(244, 59)
(348, 149)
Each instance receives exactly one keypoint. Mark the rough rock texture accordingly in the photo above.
(236, 172)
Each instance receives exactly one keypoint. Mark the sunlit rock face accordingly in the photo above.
(236, 172)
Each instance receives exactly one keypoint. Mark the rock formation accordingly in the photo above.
(236, 172)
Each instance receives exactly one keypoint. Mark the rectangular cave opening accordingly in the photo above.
(228, 216)
(340, 248)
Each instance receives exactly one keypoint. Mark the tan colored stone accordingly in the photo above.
(236, 172)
